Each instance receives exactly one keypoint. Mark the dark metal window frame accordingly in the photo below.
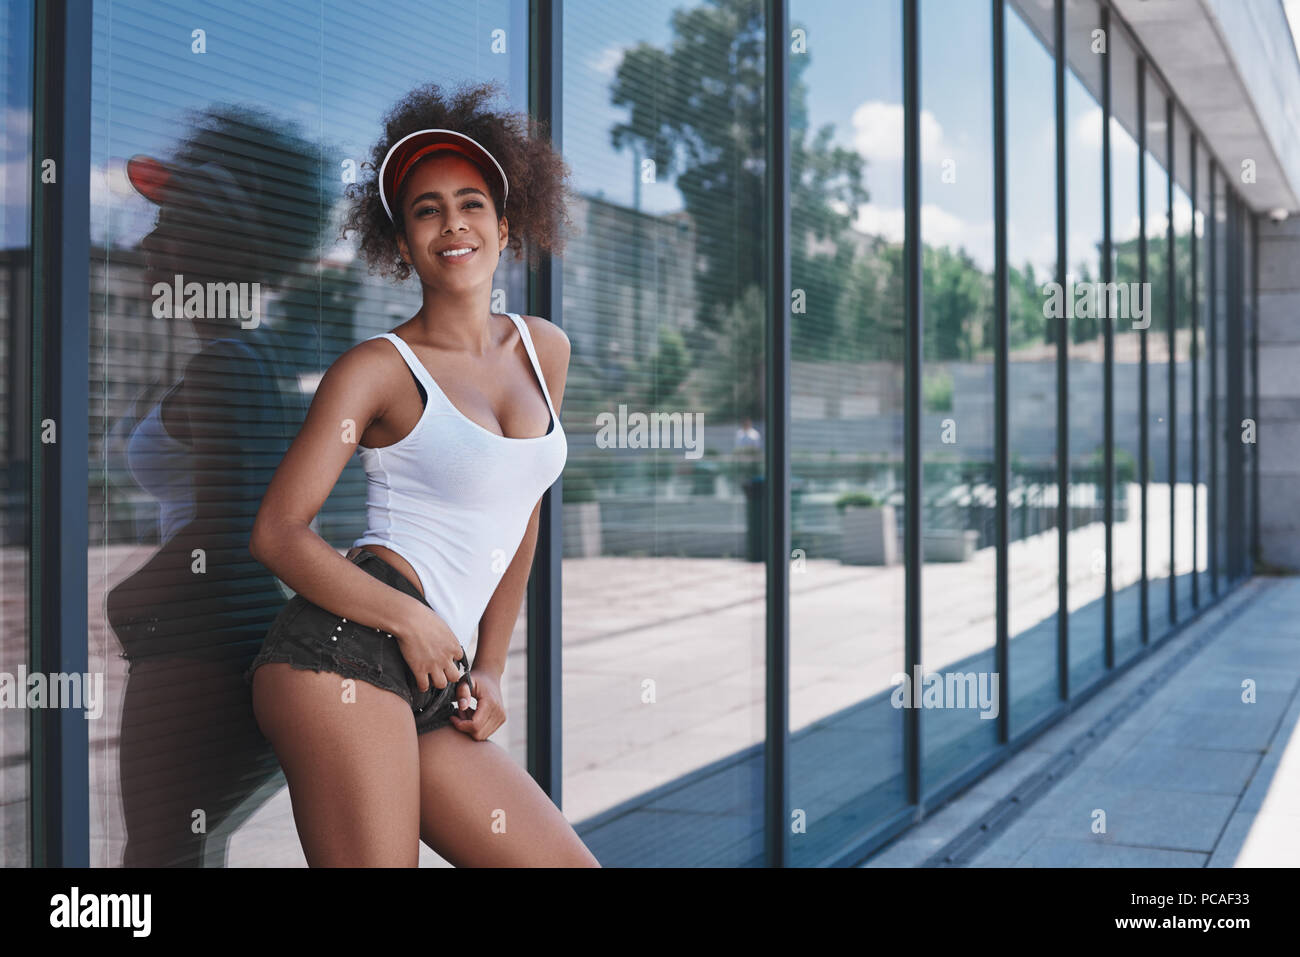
(1253, 226)
(1212, 340)
(1060, 59)
(776, 216)
(545, 586)
(60, 297)
(1194, 325)
(1171, 327)
(1143, 411)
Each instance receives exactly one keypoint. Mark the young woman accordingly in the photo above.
(363, 686)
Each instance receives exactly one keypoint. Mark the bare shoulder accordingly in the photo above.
(363, 380)
(366, 365)
(552, 346)
(548, 337)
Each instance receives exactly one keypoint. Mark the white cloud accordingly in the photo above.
(880, 221)
(116, 206)
(1128, 231)
(17, 123)
(939, 227)
(878, 133)
(1122, 143)
(606, 61)
(1037, 246)
(1087, 128)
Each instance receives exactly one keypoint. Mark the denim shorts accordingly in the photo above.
(308, 637)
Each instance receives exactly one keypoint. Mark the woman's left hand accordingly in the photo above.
(489, 712)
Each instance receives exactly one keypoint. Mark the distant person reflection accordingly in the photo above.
(240, 207)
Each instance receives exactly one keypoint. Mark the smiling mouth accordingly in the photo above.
(457, 257)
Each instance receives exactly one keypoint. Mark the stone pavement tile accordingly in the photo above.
(1057, 738)
(1255, 839)
(1252, 656)
(1214, 665)
(989, 859)
(1276, 784)
(1244, 731)
(1058, 852)
(1115, 748)
(925, 839)
(1282, 786)
(1224, 695)
(1003, 779)
(1146, 715)
(942, 826)
(1202, 770)
(1008, 845)
(1174, 820)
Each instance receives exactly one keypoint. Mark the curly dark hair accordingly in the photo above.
(277, 227)
(539, 194)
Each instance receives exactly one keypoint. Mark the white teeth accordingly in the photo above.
(457, 252)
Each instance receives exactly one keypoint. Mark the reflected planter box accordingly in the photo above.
(949, 544)
(581, 529)
(870, 536)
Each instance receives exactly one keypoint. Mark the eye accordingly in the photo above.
(434, 209)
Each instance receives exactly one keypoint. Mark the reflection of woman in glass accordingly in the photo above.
(363, 685)
(190, 619)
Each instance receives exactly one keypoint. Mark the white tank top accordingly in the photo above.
(454, 499)
(164, 467)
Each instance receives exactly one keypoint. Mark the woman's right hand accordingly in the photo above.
(431, 649)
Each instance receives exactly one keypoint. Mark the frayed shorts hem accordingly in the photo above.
(310, 638)
(425, 719)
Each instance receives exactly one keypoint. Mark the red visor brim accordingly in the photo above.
(148, 176)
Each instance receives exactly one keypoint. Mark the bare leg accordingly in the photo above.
(478, 808)
(352, 767)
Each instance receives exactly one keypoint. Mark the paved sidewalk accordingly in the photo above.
(1189, 774)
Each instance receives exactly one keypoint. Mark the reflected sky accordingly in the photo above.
(315, 62)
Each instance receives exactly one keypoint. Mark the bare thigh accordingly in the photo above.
(478, 808)
(352, 766)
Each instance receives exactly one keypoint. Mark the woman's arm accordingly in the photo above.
(353, 393)
(502, 611)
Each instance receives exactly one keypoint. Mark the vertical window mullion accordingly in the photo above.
(1171, 323)
(60, 297)
(777, 448)
(545, 587)
(1108, 342)
(1212, 298)
(1062, 370)
(1254, 391)
(1142, 366)
(1194, 325)
(912, 381)
(1001, 360)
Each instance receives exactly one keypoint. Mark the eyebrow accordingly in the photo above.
(460, 192)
